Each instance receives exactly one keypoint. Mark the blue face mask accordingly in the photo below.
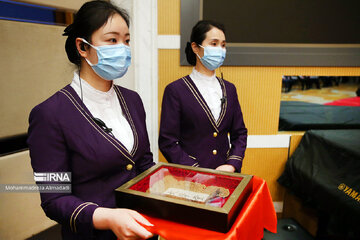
(213, 57)
(113, 60)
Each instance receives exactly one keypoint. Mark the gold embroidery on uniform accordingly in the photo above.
(211, 118)
(73, 215)
(199, 97)
(96, 126)
(227, 153)
(136, 141)
(92, 124)
(234, 157)
(195, 164)
(74, 221)
(192, 157)
(224, 106)
(204, 106)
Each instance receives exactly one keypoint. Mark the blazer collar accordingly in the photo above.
(199, 98)
(74, 98)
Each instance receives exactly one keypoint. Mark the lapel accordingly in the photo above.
(128, 117)
(199, 98)
(72, 96)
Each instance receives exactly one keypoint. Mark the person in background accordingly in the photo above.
(201, 120)
(93, 129)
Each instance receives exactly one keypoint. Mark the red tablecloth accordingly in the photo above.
(353, 102)
(258, 213)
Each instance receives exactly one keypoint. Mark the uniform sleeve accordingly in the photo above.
(147, 160)
(49, 153)
(238, 136)
(169, 136)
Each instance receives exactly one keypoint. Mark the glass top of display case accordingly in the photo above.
(199, 197)
(200, 187)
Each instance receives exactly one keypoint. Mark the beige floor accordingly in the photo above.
(321, 96)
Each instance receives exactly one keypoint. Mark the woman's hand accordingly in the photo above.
(226, 168)
(125, 223)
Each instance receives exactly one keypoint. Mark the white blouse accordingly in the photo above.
(210, 89)
(105, 106)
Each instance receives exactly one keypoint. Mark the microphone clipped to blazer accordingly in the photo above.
(223, 101)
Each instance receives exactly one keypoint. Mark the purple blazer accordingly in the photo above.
(189, 134)
(62, 137)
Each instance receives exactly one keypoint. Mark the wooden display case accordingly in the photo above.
(198, 197)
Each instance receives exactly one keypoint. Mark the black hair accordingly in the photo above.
(358, 92)
(90, 17)
(198, 34)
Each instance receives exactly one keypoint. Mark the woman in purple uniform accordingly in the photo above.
(93, 129)
(201, 120)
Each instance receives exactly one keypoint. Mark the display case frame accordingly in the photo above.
(217, 218)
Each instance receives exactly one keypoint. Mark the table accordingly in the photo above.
(353, 101)
(302, 116)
